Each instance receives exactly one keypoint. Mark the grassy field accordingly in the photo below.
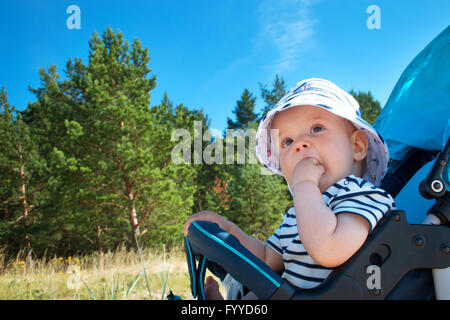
(123, 274)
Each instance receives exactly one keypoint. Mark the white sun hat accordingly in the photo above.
(324, 94)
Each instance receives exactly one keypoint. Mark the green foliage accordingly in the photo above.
(370, 108)
(271, 97)
(244, 112)
(19, 161)
(258, 201)
(109, 175)
(254, 201)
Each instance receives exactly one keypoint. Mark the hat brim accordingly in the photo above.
(377, 158)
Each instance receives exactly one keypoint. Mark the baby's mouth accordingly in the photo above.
(308, 157)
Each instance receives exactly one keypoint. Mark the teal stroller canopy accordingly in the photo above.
(417, 113)
(416, 117)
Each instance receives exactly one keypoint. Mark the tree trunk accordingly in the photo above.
(24, 197)
(99, 240)
(132, 215)
(134, 224)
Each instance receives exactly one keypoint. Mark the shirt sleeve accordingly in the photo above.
(274, 240)
(363, 199)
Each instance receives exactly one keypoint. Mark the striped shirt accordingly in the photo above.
(350, 194)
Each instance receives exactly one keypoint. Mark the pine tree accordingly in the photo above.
(273, 96)
(69, 212)
(244, 112)
(18, 160)
(256, 202)
(135, 138)
(108, 152)
(370, 108)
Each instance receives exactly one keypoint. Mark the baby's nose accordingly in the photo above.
(302, 145)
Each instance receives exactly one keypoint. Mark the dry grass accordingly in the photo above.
(123, 274)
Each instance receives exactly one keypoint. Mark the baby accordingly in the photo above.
(332, 160)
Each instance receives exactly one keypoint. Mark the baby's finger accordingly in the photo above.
(322, 169)
(196, 216)
(187, 225)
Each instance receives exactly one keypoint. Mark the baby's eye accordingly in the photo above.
(286, 142)
(316, 129)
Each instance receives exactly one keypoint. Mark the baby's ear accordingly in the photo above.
(360, 144)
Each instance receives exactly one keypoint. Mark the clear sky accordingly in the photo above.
(205, 52)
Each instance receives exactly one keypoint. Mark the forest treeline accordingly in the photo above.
(87, 165)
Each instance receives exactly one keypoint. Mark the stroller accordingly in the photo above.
(398, 260)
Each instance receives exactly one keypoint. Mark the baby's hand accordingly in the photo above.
(308, 169)
(207, 216)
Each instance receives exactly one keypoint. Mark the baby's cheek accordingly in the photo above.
(287, 173)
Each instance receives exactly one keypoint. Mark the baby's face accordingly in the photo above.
(312, 132)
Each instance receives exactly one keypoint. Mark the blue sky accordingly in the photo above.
(204, 53)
